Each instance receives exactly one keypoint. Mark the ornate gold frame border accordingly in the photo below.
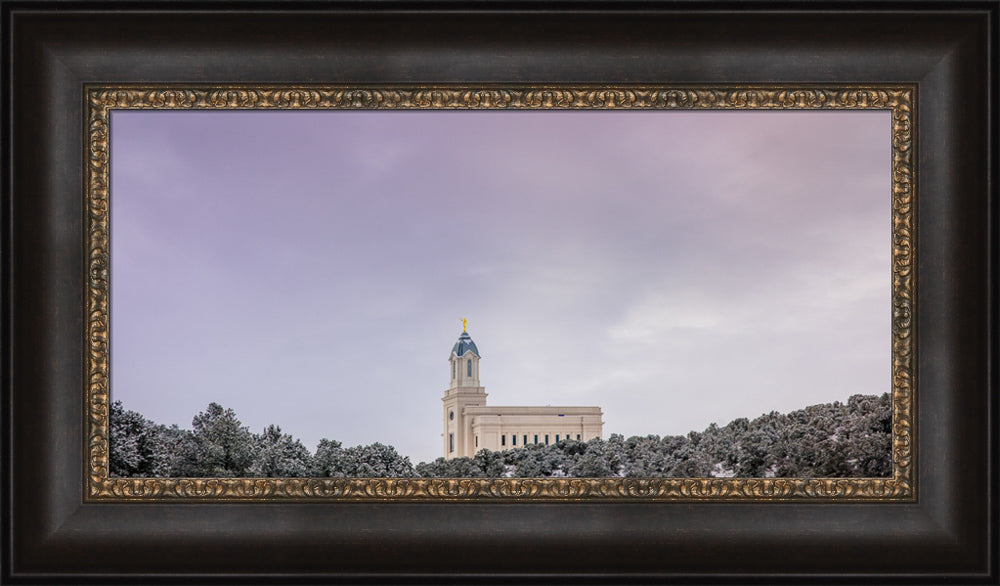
(102, 99)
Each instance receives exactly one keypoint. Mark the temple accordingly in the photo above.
(471, 425)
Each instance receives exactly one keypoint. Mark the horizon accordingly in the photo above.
(309, 268)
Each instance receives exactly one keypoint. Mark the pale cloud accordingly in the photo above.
(659, 315)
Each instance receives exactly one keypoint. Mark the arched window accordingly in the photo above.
(451, 442)
(468, 368)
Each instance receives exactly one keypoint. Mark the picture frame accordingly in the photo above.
(58, 532)
(897, 103)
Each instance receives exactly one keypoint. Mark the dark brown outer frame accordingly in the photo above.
(51, 535)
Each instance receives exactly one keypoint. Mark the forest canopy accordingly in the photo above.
(852, 439)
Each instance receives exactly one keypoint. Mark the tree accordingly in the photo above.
(871, 435)
(647, 457)
(755, 453)
(279, 455)
(462, 467)
(143, 448)
(378, 461)
(489, 463)
(221, 446)
(329, 460)
(129, 442)
(373, 461)
(600, 458)
(530, 462)
(690, 458)
(169, 451)
(593, 464)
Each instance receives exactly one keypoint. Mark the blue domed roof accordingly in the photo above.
(465, 344)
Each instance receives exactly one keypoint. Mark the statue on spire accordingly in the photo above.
(463, 324)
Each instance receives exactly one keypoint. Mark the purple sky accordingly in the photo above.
(309, 269)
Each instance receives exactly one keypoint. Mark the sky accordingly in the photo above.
(309, 269)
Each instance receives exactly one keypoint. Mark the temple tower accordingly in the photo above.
(463, 391)
(470, 425)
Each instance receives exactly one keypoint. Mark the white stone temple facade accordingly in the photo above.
(470, 425)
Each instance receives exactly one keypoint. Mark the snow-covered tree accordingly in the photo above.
(279, 455)
(870, 433)
(329, 460)
(221, 446)
(170, 448)
(374, 461)
(129, 442)
(462, 467)
(140, 447)
(378, 461)
(490, 463)
(832, 440)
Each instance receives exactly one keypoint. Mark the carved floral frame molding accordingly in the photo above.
(102, 99)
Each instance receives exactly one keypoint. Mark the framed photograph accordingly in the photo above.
(563, 238)
(731, 280)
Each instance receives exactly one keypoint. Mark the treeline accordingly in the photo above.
(219, 446)
(831, 440)
(850, 439)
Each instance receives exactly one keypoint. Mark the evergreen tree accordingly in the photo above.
(221, 446)
(329, 460)
(378, 461)
(374, 461)
(279, 455)
(462, 467)
(870, 435)
(170, 449)
(490, 464)
(130, 443)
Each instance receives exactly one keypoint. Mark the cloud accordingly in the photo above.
(660, 315)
